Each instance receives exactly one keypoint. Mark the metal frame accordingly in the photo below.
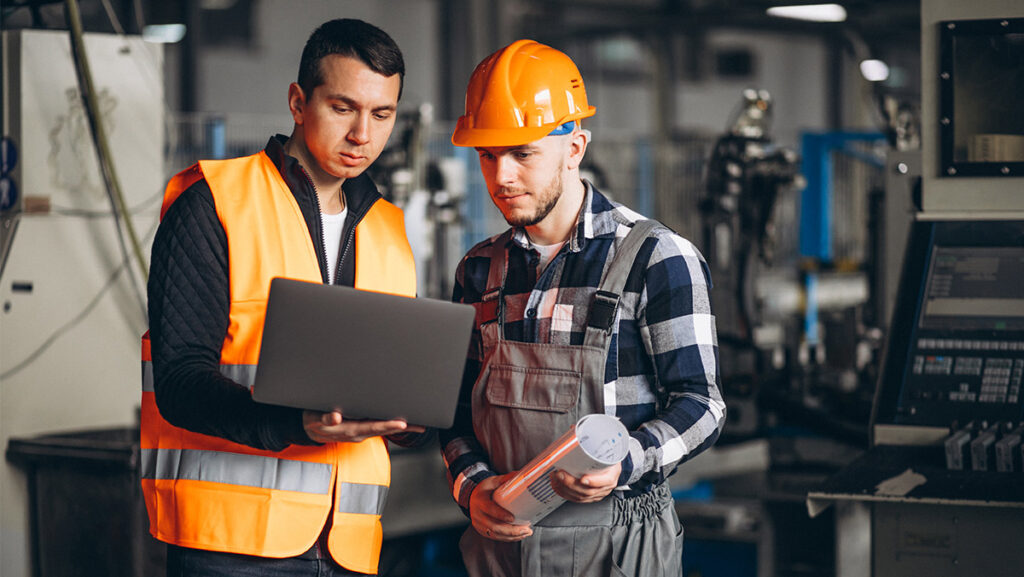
(949, 30)
(816, 198)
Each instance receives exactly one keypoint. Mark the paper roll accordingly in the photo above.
(595, 442)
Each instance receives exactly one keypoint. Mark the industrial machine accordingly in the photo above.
(788, 240)
(745, 175)
(791, 287)
(944, 474)
(940, 490)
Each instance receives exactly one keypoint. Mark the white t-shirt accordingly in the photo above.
(547, 252)
(333, 225)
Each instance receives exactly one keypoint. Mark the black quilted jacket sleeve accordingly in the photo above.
(188, 318)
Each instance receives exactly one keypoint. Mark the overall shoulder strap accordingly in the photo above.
(493, 296)
(605, 303)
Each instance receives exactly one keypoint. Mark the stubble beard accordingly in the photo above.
(548, 198)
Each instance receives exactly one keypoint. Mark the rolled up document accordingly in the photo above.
(595, 442)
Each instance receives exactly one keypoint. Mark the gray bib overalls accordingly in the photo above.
(529, 394)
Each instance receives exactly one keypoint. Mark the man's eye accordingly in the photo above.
(522, 155)
(342, 109)
(382, 116)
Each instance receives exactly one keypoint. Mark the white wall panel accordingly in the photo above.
(64, 366)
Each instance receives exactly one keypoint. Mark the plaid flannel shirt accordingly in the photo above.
(661, 376)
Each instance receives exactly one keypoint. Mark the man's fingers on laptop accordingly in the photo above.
(406, 427)
(331, 418)
(325, 427)
(356, 431)
(389, 427)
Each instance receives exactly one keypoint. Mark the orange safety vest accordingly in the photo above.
(209, 493)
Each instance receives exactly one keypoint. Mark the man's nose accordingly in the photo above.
(359, 133)
(504, 170)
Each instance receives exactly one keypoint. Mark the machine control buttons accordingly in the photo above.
(938, 365)
(968, 345)
(983, 449)
(995, 447)
(957, 446)
(1009, 452)
(968, 366)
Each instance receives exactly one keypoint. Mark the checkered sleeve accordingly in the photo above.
(464, 457)
(679, 335)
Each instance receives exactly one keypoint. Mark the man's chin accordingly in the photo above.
(521, 220)
(346, 172)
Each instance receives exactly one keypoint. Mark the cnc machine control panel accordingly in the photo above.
(956, 353)
(967, 351)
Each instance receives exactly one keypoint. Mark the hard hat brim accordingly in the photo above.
(477, 137)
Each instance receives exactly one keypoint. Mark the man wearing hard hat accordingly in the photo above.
(574, 316)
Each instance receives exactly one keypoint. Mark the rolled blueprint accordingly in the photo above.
(595, 442)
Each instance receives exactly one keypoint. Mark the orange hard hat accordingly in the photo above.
(520, 94)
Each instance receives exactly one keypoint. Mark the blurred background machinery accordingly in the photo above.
(939, 491)
(794, 168)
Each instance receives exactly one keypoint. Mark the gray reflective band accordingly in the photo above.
(244, 375)
(361, 499)
(147, 376)
(236, 469)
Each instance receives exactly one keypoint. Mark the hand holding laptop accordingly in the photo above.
(331, 427)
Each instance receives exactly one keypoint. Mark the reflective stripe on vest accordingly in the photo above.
(209, 493)
(235, 469)
(244, 375)
(361, 499)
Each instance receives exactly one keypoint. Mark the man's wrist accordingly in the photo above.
(289, 424)
(634, 456)
(474, 485)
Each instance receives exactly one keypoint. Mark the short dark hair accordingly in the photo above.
(355, 39)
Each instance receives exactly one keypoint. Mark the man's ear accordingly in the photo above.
(296, 102)
(578, 141)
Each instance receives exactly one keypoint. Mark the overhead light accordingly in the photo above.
(874, 70)
(811, 12)
(217, 4)
(163, 33)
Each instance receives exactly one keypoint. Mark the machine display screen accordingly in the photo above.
(974, 288)
(956, 352)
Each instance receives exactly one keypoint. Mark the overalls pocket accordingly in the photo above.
(525, 409)
(536, 389)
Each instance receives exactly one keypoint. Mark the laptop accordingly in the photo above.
(370, 355)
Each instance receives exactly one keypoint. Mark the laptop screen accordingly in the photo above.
(956, 345)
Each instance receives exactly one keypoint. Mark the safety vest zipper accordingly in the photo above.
(323, 234)
(323, 238)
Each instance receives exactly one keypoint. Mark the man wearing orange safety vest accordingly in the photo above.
(235, 487)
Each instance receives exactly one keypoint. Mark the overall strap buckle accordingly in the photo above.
(602, 311)
(489, 309)
(605, 304)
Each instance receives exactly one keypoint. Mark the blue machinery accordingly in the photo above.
(816, 210)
